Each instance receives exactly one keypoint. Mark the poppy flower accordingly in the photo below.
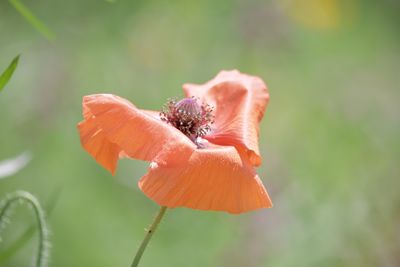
(203, 150)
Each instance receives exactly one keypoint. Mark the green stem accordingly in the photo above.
(40, 217)
(149, 234)
(13, 248)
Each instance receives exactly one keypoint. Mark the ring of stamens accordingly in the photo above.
(188, 116)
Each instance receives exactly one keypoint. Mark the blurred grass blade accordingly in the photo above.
(11, 166)
(12, 249)
(32, 19)
(6, 75)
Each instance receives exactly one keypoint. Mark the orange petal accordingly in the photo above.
(96, 143)
(214, 178)
(113, 128)
(239, 101)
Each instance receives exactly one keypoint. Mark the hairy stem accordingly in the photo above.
(149, 233)
(7, 203)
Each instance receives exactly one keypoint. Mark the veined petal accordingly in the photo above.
(113, 128)
(96, 144)
(216, 178)
(240, 101)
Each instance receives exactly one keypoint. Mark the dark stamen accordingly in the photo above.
(188, 116)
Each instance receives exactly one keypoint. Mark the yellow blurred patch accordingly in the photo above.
(316, 14)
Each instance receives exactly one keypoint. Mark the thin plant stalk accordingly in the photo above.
(40, 217)
(149, 233)
(11, 250)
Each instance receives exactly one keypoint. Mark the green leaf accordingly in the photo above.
(5, 77)
(32, 19)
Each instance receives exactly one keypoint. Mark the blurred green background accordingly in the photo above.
(330, 137)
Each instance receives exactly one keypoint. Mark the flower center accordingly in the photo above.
(188, 116)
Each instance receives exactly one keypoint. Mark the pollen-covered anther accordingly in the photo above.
(188, 116)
